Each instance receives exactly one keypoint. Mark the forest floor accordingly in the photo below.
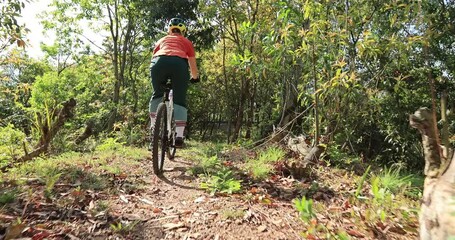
(114, 195)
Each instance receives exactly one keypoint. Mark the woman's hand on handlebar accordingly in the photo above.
(195, 80)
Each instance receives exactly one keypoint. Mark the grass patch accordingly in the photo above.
(195, 150)
(381, 197)
(391, 197)
(263, 166)
(50, 182)
(8, 196)
(395, 181)
(259, 170)
(110, 144)
(205, 165)
(271, 155)
(232, 214)
(101, 206)
(89, 171)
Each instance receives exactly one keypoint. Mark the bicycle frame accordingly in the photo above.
(168, 100)
(170, 107)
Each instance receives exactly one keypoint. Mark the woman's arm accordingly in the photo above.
(193, 67)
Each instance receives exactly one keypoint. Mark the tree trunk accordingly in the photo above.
(316, 103)
(240, 110)
(226, 89)
(250, 120)
(114, 30)
(437, 219)
(89, 130)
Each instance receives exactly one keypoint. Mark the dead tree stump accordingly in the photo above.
(437, 215)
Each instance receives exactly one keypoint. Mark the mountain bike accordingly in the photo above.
(163, 133)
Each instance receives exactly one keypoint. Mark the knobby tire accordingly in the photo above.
(171, 149)
(159, 139)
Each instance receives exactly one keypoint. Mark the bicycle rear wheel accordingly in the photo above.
(159, 139)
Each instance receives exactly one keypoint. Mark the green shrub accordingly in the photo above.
(11, 141)
(132, 134)
(48, 91)
(211, 149)
(222, 181)
(340, 158)
(305, 208)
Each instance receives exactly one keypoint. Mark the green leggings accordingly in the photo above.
(175, 68)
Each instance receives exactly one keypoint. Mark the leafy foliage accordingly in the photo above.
(305, 208)
(49, 91)
(12, 142)
(222, 181)
(10, 30)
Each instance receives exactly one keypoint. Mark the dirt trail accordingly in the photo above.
(177, 209)
(114, 195)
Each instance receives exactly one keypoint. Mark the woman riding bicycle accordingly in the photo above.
(172, 56)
